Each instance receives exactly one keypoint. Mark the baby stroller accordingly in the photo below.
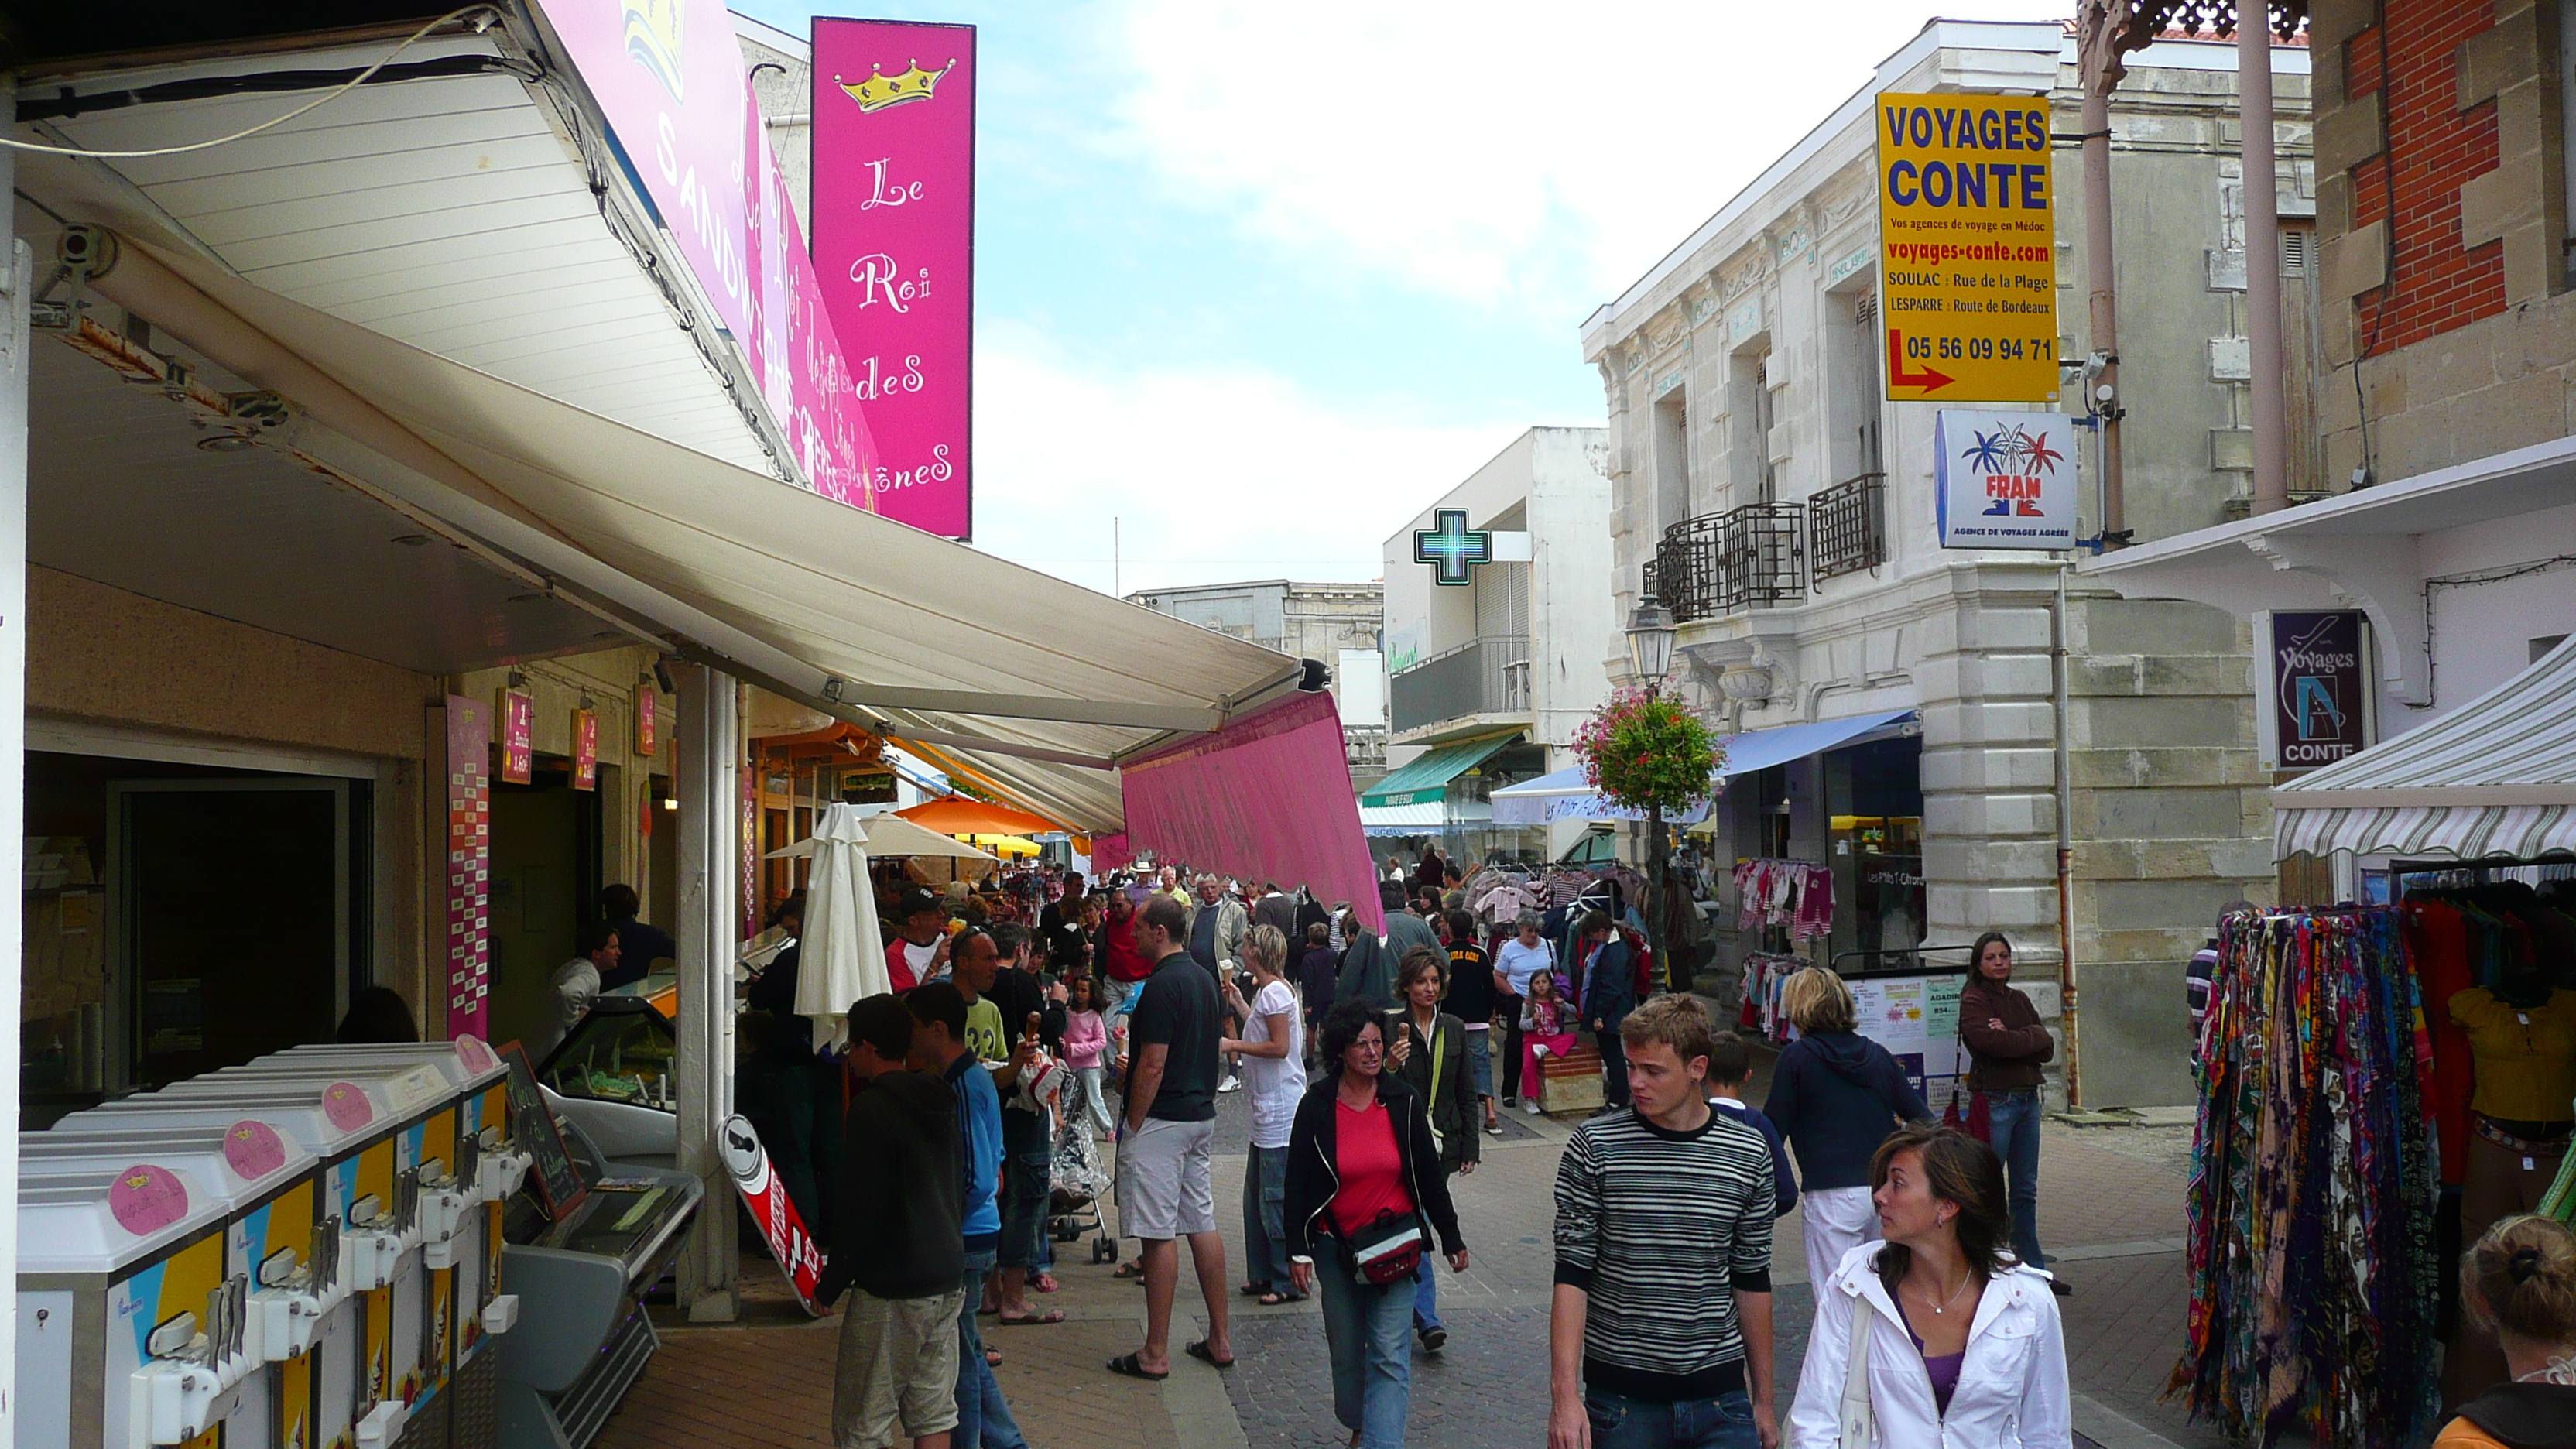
(1078, 1183)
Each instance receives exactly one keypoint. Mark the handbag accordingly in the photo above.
(1387, 1249)
(1978, 1121)
(1859, 1417)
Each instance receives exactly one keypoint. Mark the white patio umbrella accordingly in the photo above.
(842, 956)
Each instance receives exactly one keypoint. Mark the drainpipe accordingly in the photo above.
(2262, 259)
(17, 269)
(2100, 27)
(2057, 668)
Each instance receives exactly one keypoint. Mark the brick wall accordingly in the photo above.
(2433, 146)
(2441, 205)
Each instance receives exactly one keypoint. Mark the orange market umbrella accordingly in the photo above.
(958, 815)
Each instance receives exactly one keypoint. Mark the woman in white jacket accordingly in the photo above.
(1935, 1336)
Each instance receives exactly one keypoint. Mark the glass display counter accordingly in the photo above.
(622, 1051)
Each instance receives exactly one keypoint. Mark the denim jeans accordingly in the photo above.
(1480, 1062)
(1619, 1422)
(1364, 1328)
(1265, 1217)
(2015, 1118)
(1426, 1293)
(983, 1418)
(1026, 1157)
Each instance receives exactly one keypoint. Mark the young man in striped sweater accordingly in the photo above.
(1660, 1336)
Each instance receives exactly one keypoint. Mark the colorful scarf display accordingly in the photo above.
(2312, 1258)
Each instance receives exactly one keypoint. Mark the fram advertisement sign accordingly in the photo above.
(2317, 703)
(2004, 480)
(1968, 275)
(894, 244)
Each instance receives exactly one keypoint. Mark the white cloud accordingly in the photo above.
(1510, 150)
(1214, 473)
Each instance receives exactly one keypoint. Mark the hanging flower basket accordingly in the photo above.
(1642, 751)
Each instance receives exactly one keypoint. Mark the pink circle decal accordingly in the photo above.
(254, 1149)
(347, 1107)
(476, 1054)
(146, 1199)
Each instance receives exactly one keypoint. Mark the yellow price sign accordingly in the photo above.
(1968, 271)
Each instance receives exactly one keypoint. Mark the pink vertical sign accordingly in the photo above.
(894, 249)
(469, 867)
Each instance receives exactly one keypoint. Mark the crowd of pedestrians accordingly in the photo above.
(1366, 1052)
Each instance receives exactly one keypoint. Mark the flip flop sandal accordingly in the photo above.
(1126, 1363)
(1273, 1300)
(1045, 1283)
(1034, 1320)
(1129, 1270)
(1199, 1351)
(1253, 1290)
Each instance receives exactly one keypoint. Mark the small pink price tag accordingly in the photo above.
(347, 1106)
(476, 1054)
(254, 1149)
(145, 1199)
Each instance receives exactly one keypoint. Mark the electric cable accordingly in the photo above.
(316, 103)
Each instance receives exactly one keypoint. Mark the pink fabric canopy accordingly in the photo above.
(1267, 797)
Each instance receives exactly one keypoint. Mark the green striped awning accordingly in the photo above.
(1426, 779)
(2495, 778)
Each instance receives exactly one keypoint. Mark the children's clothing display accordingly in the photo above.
(1764, 975)
(1795, 894)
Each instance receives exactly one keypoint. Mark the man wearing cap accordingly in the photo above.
(919, 950)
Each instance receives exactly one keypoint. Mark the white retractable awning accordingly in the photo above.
(2495, 778)
(1034, 683)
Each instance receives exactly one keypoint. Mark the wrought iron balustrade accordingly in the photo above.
(1847, 526)
(1753, 557)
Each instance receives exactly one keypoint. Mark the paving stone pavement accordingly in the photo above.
(2114, 1208)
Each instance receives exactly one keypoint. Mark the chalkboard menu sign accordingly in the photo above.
(552, 1178)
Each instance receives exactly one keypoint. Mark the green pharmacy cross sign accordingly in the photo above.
(1452, 547)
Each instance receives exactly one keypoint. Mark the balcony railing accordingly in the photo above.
(1752, 557)
(1482, 676)
(1847, 526)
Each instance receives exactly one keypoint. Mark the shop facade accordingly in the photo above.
(1496, 625)
(1766, 493)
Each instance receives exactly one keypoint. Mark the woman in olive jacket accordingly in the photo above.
(2007, 1046)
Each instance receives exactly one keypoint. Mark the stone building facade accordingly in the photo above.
(1745, 393)
(1334, 623)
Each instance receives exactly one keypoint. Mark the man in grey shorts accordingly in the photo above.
(1166, 1186)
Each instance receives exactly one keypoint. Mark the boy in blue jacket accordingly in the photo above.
(939, 1047)
(1729, 1063)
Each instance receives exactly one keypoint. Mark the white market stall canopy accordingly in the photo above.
(1044, 684)
(2495, 778)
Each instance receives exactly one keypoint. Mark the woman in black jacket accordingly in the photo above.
(1430, 1056)
(1361, 1152)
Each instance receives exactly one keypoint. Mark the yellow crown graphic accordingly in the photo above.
(880, 90)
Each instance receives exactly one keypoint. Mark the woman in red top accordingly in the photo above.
(1361, 1151)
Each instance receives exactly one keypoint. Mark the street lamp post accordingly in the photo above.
(1650, 657)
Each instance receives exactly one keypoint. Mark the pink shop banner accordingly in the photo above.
(894, 243)
(668, 76)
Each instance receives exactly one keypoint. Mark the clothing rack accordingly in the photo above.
(2314, 1275)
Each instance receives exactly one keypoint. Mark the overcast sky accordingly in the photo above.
(1261, 281)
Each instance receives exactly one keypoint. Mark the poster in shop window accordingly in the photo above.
(2318, 701)
(515, 716)
(894, 248)
(1968, 237)
(469, 860)
(585, 749)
